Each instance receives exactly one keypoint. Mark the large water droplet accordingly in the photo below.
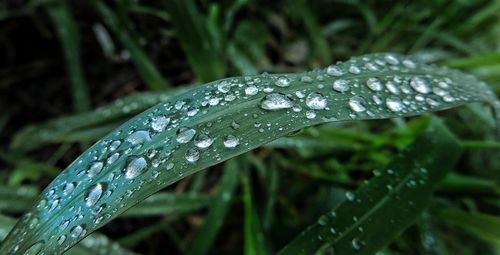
(341, 85)
(35, 249)
(135, 167)
(160, 123)
(231, 141)
(316, 101)
(394, 104)
(374, 84)
(139, 137)
(185, 134)
(203, 141)
(224, 86)
(275, 101)
(192, 155)
(95, 168)
(420, 85)
(94, 194)
(357, 104)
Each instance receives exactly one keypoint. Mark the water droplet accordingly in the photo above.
(282, 82)
(354, 69)
(203, 141)
(94, 194)
(35, 249)
(169, 166)
(306, 79)
(192, 155)
(275, 101)
(224, 86)
(341, 85)
(61, 239)
(323, 220)
(391, 59)
(54, 204)
(374, 84)
(356, 244)
(114, 145)
(77, 231)
(334, 71)
(160, 123)
(251, 90)
(185, 134)
(231, 141)
(95, 168)
(356, 104)
(113, 158)
(392, 87)
(420, 85)
(350, 196)
(68, 188)
(139, 137)
(316, 101)
(33, 222)
(135, 167)
(64, 225)
(394, 104)
(409, 63)
(310, 115)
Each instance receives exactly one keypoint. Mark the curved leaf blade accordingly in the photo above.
(380, 210)
(156, 148)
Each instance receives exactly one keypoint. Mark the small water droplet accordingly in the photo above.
(356, 104)
(54, 204)
(323, 220)
(316, 101)
(310, 115)
(114, 145)
(94, 194)
(341, 85)
(391, 59)
(354, 69)
(185, 134)
(356, 244)
(135, 167)
(350, 196)
(231, 141)
(113, 158)
(61, 239)
(275, 101)
(68, 188)
(374, 84)
(392, 87)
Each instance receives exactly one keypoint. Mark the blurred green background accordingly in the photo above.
(71, 71)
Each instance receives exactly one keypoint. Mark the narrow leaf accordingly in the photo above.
(217, 121)
(380, 210)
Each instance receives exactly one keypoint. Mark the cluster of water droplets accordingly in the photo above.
(148, 149)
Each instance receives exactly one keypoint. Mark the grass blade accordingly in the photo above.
(218, 210)
(212, 123)
(380, 210)
(191, 27)
(69, 35)
(147, 70)
(485, 227)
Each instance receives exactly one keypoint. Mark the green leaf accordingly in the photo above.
(217, 121)
(219, 208)
(192, 29)
(379, 211)
(68, 33)
(482, 226)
